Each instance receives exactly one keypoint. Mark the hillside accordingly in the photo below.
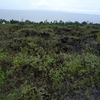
(43, 61)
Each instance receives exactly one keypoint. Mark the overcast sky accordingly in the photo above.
(80, 6)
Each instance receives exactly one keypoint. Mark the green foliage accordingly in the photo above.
(98, 37)
(49, 61)
(2, 77)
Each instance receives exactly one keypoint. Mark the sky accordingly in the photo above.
(76, 6)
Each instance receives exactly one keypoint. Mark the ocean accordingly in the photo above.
(40, 15)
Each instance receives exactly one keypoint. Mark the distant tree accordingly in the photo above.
(3, 20)
(28, 22)
(41, 22)
(46, 22)
(21, 22)
(61, 22)
(84, 23)
(76, 23)
(69, 23)
(14, 21)
(55, 22)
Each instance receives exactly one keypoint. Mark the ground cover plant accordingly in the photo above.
(49, 61)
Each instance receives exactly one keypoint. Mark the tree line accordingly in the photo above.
(60, 22)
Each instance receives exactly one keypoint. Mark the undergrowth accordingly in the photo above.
(39, 62)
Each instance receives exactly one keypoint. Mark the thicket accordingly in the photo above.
(48, 61)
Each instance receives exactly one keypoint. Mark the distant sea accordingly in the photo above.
(40, 15)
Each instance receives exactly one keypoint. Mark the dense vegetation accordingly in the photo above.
(49, 61)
